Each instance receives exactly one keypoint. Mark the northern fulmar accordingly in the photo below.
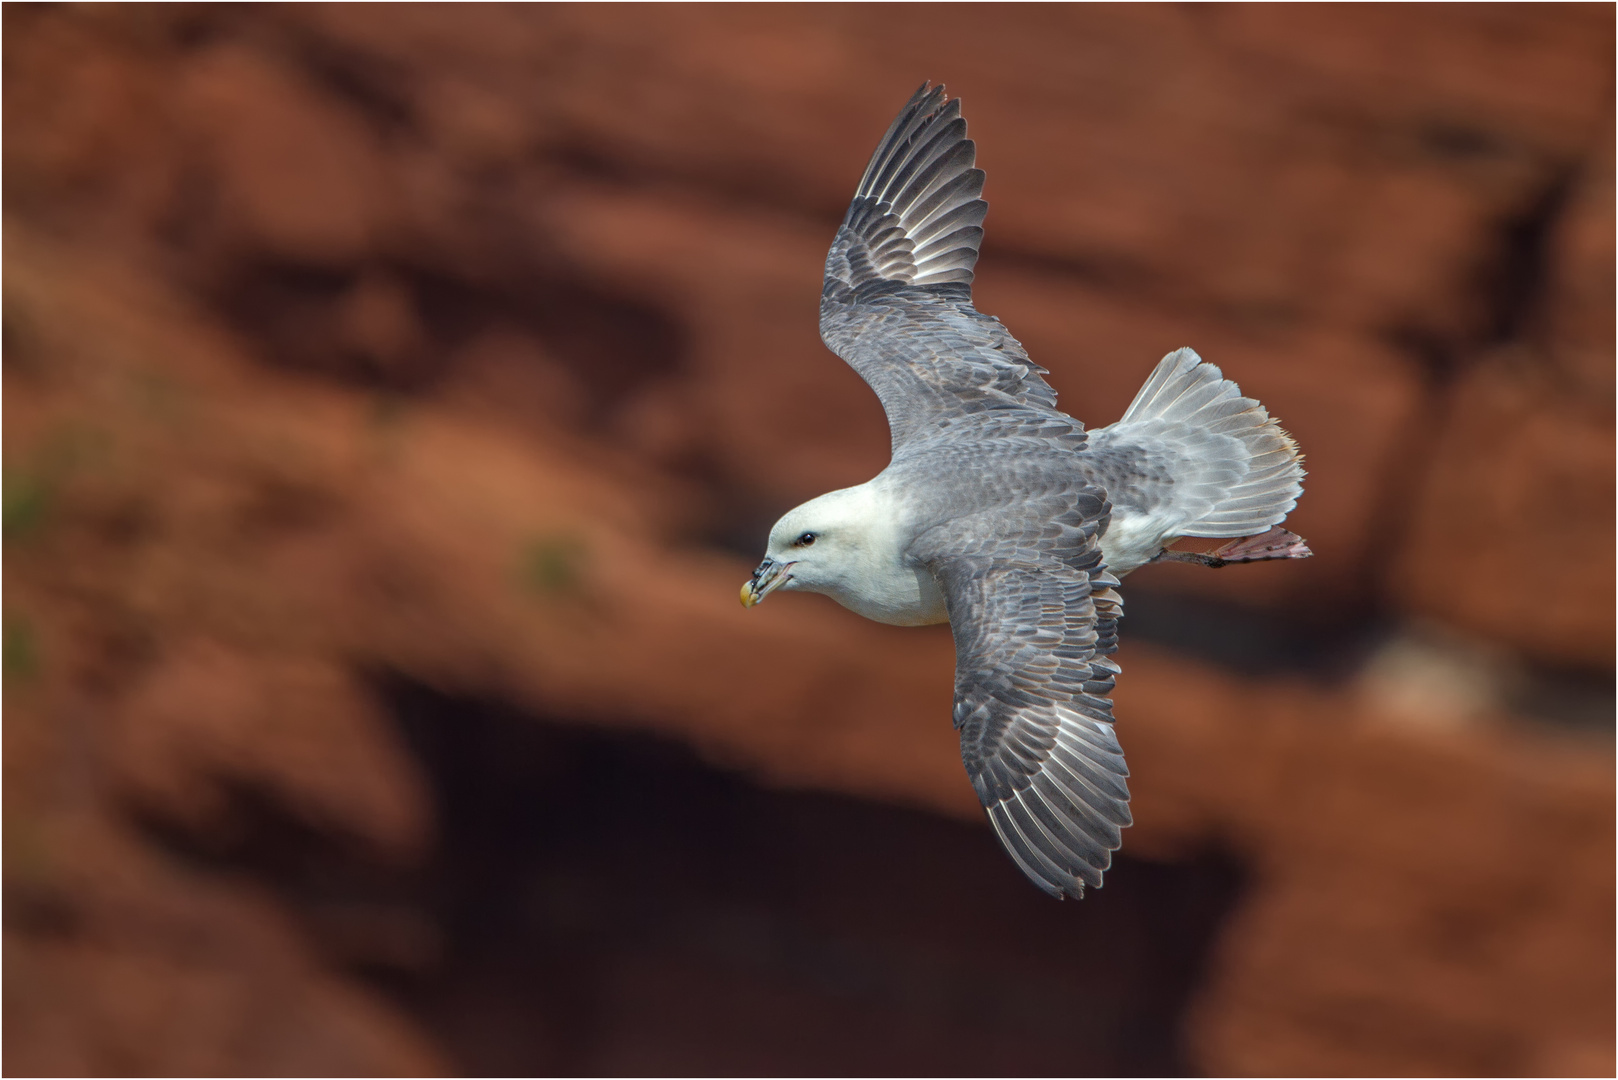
(999, 514)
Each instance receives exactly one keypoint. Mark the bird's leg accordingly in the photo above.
(1277, 543)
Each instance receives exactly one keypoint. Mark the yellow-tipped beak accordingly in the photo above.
(769, 576)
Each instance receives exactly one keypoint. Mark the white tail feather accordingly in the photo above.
(1243, 474)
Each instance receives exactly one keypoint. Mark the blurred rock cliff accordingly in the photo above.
(373, 373)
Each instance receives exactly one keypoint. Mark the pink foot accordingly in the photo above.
(1277, 543)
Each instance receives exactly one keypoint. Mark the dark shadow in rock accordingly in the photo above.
(1248, 640)
(606, 903)
(397, 325)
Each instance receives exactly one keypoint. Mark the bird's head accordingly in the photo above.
(817, 547)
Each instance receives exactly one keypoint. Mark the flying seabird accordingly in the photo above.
(1000, 514)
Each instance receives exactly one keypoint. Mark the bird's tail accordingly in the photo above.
(1243, 474)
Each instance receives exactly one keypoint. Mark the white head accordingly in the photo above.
(827, 545)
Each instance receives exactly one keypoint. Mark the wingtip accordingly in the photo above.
(930, 97)
(925, 95)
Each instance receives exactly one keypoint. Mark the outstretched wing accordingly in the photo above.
(1034, 624)
(897, 298)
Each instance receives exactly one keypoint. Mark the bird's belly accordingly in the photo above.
(1133, 540)
(903, 596)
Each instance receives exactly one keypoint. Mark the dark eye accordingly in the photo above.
(805, 540)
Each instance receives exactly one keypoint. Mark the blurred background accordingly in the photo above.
(396, 397)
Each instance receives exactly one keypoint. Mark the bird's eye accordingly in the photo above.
(805, 540)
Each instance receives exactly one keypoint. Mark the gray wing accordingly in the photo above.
(897, 297)
(1035, 620)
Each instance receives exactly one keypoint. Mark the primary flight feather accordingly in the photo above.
(1000, 514)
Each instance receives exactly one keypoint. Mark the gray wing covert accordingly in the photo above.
(1035, 620)
(896, 303)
